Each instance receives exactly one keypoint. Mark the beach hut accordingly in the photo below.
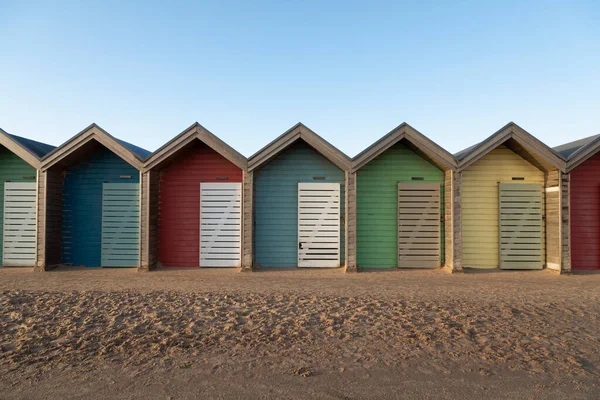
(511, 202)
(194, 203)
(90, 215)
(19, 165)
(401, 210)
(298, 208)
(583, 169)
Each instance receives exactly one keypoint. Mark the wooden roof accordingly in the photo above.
(518, 140)
(300, 132)
(26, 149)
(185, 138)
(84, 139)
(579, 151)
(404, 131)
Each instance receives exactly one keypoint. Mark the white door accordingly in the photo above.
(19, 229)
(319, 225)
(221, 224)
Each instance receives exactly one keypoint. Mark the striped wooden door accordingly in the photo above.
(221, 224)
(418, 225)
(319, 225)
(19, 229)
(520, 214)
(120, 224)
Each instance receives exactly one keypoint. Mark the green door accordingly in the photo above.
(520, 215)
(120, 224)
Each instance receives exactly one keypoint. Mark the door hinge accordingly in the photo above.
(442, 218)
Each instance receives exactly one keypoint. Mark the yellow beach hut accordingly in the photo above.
(510, 202)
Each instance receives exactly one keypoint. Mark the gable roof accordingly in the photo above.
(526, 142)
(578, 151)
(428, 147)
(28, 150)
(132, 154)
(195, 132)
(300, 132)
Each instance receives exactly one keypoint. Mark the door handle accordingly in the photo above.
(300, 245)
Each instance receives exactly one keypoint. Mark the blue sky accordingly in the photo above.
(351, 71)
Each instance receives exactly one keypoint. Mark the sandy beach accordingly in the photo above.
(77, 333)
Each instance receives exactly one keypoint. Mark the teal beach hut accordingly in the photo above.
(92, 194)
(298, 209)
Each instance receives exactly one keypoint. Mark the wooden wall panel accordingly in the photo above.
(448, 220)
(553, 220)
(248, 222)
(52, 220)
(585, 214)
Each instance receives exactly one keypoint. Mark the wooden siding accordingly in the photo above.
(82, 204)
(456, 217)
(12, 169)
(553, 220)
(480, 203)
(248, 221)
(448, 222)
(179, 202)
(276, 202)
(585, 214)
(350, 212)
(565, 223)
(149, 217)
(50, 189)
(377, 203)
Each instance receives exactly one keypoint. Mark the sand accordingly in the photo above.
(297, 334)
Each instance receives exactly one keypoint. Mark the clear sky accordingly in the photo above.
(457, 71)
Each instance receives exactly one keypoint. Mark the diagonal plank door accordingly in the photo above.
(221, 224)
(319, 225)
(120, 224)
(520, 214)
(418, 225)
(19, 228)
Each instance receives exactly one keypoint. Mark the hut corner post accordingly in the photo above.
(247, 221)
(150, 181)
(40, 259)
(49, 220)
(350, 227)
(565, 222)
(453, 221)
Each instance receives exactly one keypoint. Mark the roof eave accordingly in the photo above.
(437, 154)
(300, 131)
(22, 152)
(92, 132)
(196, 131)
